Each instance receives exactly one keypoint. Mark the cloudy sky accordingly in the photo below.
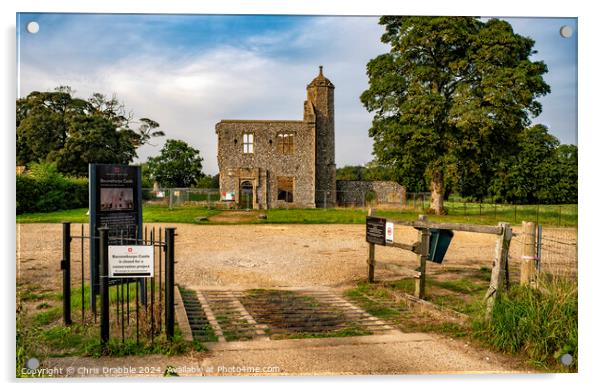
(188, 72)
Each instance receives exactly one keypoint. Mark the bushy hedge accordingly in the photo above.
(43, 189)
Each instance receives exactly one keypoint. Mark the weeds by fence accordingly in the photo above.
(542, 323)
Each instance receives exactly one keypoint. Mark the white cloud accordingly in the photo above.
(188, 93)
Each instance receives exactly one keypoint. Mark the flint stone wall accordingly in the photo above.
(353, 193)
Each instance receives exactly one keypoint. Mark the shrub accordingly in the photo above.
(542, 323)
(44, 189)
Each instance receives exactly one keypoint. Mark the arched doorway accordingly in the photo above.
(246, 195)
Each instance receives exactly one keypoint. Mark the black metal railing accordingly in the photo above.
(142, 307)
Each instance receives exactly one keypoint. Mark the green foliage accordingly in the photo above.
(147, 181)
(451, 95)
(543, 171)
(208, 182)
(178, 165)
(147, 130)
(44, 189)
(565, 187)
(462, 285)
(68, 339)
(46, 317)
(129, 347)
(373, 171)
(370, 196)
(94, 139)
(351, 173)
(25, 342)
(72, 132)
(541, 323)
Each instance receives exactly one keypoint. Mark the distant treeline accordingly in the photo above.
(541, 171)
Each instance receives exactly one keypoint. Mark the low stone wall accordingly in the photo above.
(358, 193)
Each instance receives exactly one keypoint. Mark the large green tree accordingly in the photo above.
(450, 97)
(178, 165)
(56, 127)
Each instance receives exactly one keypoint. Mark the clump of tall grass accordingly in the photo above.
(540, 322)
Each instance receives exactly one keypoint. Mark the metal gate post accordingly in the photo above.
(66, 268)
(169, 282)
(104, 285)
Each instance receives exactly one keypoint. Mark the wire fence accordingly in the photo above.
(486, 211)
(175, 197)
(550, 215)
(212, 198)
(556, 250)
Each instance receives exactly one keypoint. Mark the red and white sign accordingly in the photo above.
(389, 230)
(131, 261)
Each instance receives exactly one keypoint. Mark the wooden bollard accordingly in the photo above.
(371, 250)
(500, 264)
(528, 257)
(423, 238)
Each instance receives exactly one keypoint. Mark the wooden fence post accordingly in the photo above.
(423, 237)
(371, 250)
(500, 265)
(527, 265)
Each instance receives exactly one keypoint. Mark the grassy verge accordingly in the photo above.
(536, 325)
(457, 213)
(42, 334)
(541, 323)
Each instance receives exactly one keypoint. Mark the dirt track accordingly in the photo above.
(257, 255)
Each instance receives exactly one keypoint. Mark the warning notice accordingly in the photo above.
(390, 229)
(131, 261)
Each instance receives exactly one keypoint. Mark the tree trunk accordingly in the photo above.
(437, 194)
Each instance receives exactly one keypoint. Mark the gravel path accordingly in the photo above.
(257, 255)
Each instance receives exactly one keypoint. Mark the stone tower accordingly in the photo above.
(320, 93)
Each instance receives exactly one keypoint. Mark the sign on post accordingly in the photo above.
(115, 203)
(131, 261)
(375, 230)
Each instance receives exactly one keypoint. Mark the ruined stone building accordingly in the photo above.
(282, 163)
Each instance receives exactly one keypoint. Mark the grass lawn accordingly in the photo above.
(150, 214)
(550, 215)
